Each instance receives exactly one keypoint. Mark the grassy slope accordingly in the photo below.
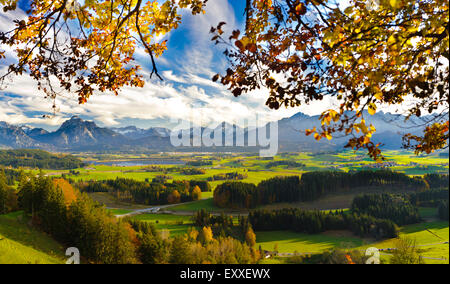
(295, 242)
(176, 225)
(21, 244)
(207, 204)
(421, 234)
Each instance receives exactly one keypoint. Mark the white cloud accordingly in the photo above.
(184, 93)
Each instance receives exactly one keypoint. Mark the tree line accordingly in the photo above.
(133, 191)
(199, 163)
(429, 198)
(289, 164)
(228, 176)
(443, 210)
(8, 196)
(436, 198)
(192, 171)
(202, 184)
(387, 206)
(222, 225)
(311, 186)
(38, 159)
(80, 222)
(11, 175)
(436, 180)
(314, 222)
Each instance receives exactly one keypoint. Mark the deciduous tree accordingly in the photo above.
(365, 56)
(82, 47)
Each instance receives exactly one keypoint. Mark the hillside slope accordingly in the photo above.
(21, 244)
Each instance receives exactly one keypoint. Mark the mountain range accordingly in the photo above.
(77, 134)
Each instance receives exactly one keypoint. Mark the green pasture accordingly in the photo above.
(22, 244)
(174, 224)
(207, 204)
(290, 242)
(256, 167)
(430, 237)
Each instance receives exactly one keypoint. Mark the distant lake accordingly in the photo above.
(134, 163)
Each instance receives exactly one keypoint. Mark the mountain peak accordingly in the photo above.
(4, 124)
(76, 121)
(300, 115)
(78, 134)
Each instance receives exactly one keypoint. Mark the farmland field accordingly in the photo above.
(290, 242)
(431, 238)
(176, 219)
(256, 168)
(253, 167)
(175, 225)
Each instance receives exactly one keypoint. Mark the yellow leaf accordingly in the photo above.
(372, 109)
(379, 96)
(391, 40)
(245, 40)
(395, 3)
(363, 127)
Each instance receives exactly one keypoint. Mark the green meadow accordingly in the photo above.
(291, 242)
(22, 244)
(176, 225)
(257, 169)
(430, 236)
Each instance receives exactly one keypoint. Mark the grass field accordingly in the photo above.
(255, 167)
(207, 204)
(431, 232)
(429, 238)
(328, 202)
(174, 224)
(290, 242)
(112, 204)
(22, 244)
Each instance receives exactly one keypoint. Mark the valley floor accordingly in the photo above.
(21, 243)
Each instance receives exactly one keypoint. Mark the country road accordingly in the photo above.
(152, 210)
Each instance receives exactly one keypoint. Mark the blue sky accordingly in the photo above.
(187, 90)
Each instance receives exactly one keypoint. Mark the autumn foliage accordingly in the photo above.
(69, 47)
(68, 191)
(365, 56)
